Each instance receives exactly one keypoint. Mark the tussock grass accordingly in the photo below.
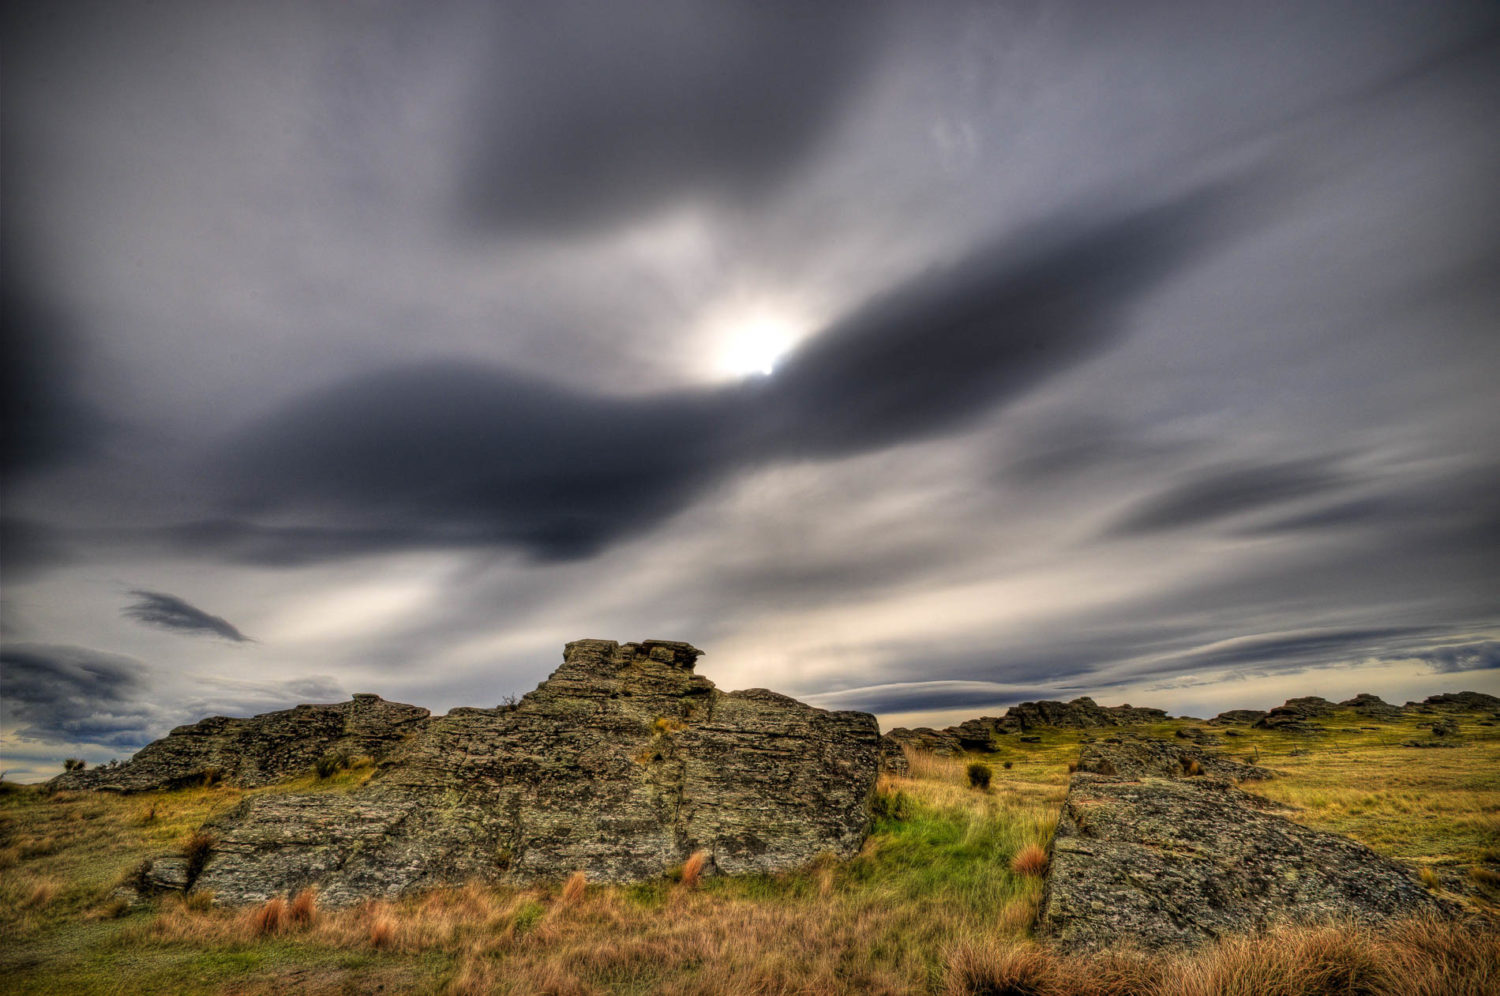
(942, 898)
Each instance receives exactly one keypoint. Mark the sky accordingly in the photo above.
(912, 358)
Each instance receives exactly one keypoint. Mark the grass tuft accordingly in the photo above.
(1030, 860)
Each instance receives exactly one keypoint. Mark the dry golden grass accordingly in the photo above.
(269, 918)
(692, 869)
(939, 900)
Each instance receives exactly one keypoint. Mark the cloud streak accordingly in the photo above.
(163, 611)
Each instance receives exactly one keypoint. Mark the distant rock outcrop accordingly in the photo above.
(1242, 717)
(1148, 855)
(1293, 715)
(620, 765)
(259, 750)
(1463, 702)
(1371, 706)
(986, 732)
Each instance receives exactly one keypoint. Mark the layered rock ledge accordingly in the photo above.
(621, 765)
(1151, 856)
(259, 750)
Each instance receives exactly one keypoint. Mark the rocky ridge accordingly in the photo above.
(622, 764)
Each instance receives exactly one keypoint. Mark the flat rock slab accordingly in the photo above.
(620, 765)
(1158, 862)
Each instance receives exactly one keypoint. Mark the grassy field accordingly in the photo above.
(941, 899)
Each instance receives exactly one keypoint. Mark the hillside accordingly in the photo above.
(942, 897)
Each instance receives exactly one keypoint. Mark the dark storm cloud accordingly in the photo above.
(165, 611)
(1478, 656)
(592, 112)
(62, 694)
(1214, 493)
(487, 457)
(69, 694)
(925, 696)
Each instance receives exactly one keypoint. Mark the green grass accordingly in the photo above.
(932, 884)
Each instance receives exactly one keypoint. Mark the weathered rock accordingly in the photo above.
(1293, 715)
(1083, 713)
(944, 743)
(1463, 702)
(1169, 862)
(1371, 705)
(1239, 716)
(1146, 757)
(980, 734)
(257, 751)
(622, 764)
(893, 758)
(1198, 736)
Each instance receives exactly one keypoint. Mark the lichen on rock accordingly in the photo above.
(1148, 855)
(621, 765)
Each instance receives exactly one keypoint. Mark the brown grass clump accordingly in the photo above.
(382, 931)
(269, 918)
(574, 887)
(1029, 860)
(41, 894)
(692, 869)
(1430, 877)
(304, 908)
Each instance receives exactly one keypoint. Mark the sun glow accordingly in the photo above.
(754, 347)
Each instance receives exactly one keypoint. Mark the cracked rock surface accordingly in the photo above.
(622, 764)
(1152, 858)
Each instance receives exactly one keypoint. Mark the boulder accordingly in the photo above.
(1149, 858)
(1147, 757)
(944, 743)
(622, 764)
(257, 751)
(1082, 713)
(893, 758)
(1243, 717)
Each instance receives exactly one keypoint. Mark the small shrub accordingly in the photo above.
(890, 805)
(1007, 765)
(979, 775)
(1194, 768)
(304, 908)
(1072, 766)
(692, 869)
(74, 764)
(504, 857)
(270, 918)
(1029, 860)
(196, 851)
(572, 889)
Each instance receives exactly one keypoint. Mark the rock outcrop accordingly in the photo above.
(622, 764)
(1463, 702)
(1293, 715)
(1243, 717)
(1149, 856)
(259, 750)
(1371, 706)
(987, 732)
(1083, 713)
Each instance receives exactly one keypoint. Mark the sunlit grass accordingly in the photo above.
(942, 898)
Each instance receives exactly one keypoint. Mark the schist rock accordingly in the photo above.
(621, 765)
(257, 751)
(1156, 848)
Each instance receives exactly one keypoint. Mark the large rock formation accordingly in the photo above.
(622, 764)
(259, 750)
(1149, 855)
